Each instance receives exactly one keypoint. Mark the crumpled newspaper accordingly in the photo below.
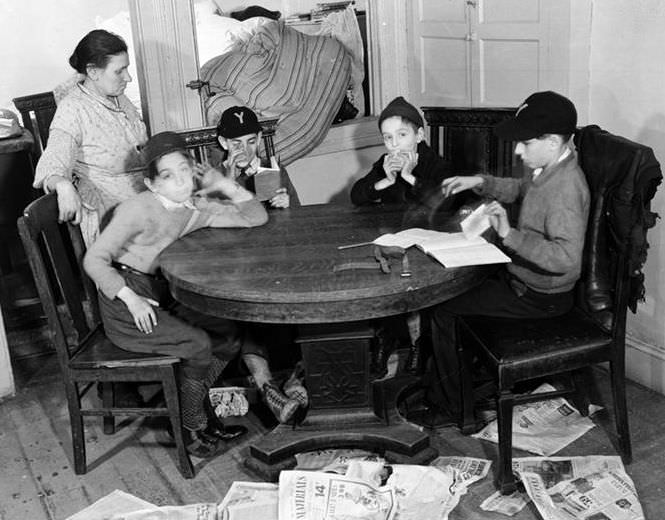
(229, 401)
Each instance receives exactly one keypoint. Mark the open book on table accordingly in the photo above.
(451, 249)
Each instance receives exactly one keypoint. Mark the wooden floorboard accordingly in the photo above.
(37, 480)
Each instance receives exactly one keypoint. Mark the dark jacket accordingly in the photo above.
(429, 172)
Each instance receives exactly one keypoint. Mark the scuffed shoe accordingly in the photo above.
(294, 388)
(281, 406)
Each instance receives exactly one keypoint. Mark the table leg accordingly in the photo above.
(346, 409)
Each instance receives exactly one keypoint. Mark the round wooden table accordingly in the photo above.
(291, 271)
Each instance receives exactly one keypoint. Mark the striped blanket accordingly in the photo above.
(280, 72)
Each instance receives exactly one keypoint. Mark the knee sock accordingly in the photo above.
(193, 392)
(258, 367)
(215, 369)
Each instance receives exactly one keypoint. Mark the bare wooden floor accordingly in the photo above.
(37, 481)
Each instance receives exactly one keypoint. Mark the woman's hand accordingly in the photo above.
(281, 199)
(69, 201)
(141, 309)
(498, 218)
(453, 185)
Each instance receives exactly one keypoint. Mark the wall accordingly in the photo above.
(627, 74)
(35, 55)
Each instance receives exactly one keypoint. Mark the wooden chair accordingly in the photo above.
(37, 112)
(622, 178)
(55, 252)
(464, 136)
(204, 146)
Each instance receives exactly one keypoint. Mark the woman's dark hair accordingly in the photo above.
(96, 48)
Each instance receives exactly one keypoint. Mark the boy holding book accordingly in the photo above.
(545, 246)
(135, 304)
(239, 134)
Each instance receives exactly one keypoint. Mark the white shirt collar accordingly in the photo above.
(565, 154)
(171, 205)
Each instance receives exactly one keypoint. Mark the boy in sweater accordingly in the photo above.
(136, 308)
(546, 245)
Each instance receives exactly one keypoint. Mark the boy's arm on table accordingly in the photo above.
(242, 209)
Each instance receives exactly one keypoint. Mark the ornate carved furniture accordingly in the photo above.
(464, 136)
(290, 271)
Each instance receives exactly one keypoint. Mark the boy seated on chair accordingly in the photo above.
(545, 246)
(406, 175)
(239, 134)
(135, 304)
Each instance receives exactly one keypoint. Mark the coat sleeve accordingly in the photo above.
(363, 191)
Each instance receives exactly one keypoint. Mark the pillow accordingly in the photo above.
(218, 34)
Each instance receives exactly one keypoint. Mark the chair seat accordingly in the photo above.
(520, 349)
(98, 351)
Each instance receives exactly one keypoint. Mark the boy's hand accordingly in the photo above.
(206, 175)
(453, 185)
(69, 202)
(391, 167)
(498, 218)
(409, 162)
(281, 199)
(236, 157)
(141, 309)
(228, 188)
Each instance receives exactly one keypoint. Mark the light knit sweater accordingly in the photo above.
(547, 244)
(142, 227)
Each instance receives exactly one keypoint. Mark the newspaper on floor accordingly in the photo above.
(313, 495)
(470, 469)
(333, 460)
(116, 502)
(584, 488)
(508, 505)
(250, 501)
(543, 427)
(202, 511)
(423, 491)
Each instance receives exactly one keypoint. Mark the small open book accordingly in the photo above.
(266, 182)
(451, 249)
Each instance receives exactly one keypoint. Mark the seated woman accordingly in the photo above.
(92, 159)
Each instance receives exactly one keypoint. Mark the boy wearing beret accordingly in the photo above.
(545, 246)
(409, 172)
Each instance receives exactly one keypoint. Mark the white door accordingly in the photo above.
(486, 52)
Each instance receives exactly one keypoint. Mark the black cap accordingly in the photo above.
(402, 108)
(541, 113)
(238, 121)
(161, 144)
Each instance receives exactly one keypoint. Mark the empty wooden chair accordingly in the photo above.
(37, 111)
(86, 357)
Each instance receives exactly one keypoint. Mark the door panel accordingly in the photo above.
(486, 52)
(438, 52)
